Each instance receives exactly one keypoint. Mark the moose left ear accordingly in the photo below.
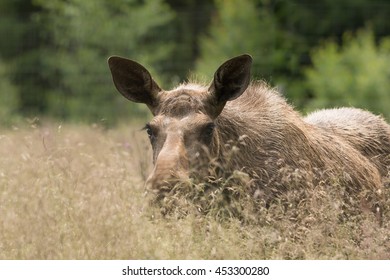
(230, 80)
(134, 82)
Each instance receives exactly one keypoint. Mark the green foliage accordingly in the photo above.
(240, 27)
(20, 49)
(355, 74)
(8, 97)
(192, 18)
(84, 34)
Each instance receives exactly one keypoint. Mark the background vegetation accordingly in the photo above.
(318, 53)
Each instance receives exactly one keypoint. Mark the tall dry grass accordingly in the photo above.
(76, 192)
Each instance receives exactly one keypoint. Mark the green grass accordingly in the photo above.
(76, 192)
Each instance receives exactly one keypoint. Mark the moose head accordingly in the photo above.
(184, 119)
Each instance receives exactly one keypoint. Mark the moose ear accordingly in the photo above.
(133, 81)
(230, 80)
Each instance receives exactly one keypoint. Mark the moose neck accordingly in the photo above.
(260, 124)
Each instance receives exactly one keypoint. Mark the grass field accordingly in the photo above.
(76, 192)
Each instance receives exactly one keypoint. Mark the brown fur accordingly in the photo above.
(277, 137)
(350, 146)
(366, 132)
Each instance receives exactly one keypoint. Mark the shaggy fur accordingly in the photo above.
(366, 132)
(278, 137)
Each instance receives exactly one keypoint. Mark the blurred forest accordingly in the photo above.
(322, 53)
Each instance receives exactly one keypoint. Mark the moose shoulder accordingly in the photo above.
(194, 122)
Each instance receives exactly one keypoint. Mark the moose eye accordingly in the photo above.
(208, 130)
(149, 131)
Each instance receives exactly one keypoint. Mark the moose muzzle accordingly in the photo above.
(171, 166)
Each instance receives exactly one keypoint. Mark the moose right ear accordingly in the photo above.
(133, 81)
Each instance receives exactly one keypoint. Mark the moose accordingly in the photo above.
(194, 120)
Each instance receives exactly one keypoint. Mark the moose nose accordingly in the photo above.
(170, 168)
(163, 179)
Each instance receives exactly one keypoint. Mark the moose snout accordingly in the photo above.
(171, 167)
(162, 180)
